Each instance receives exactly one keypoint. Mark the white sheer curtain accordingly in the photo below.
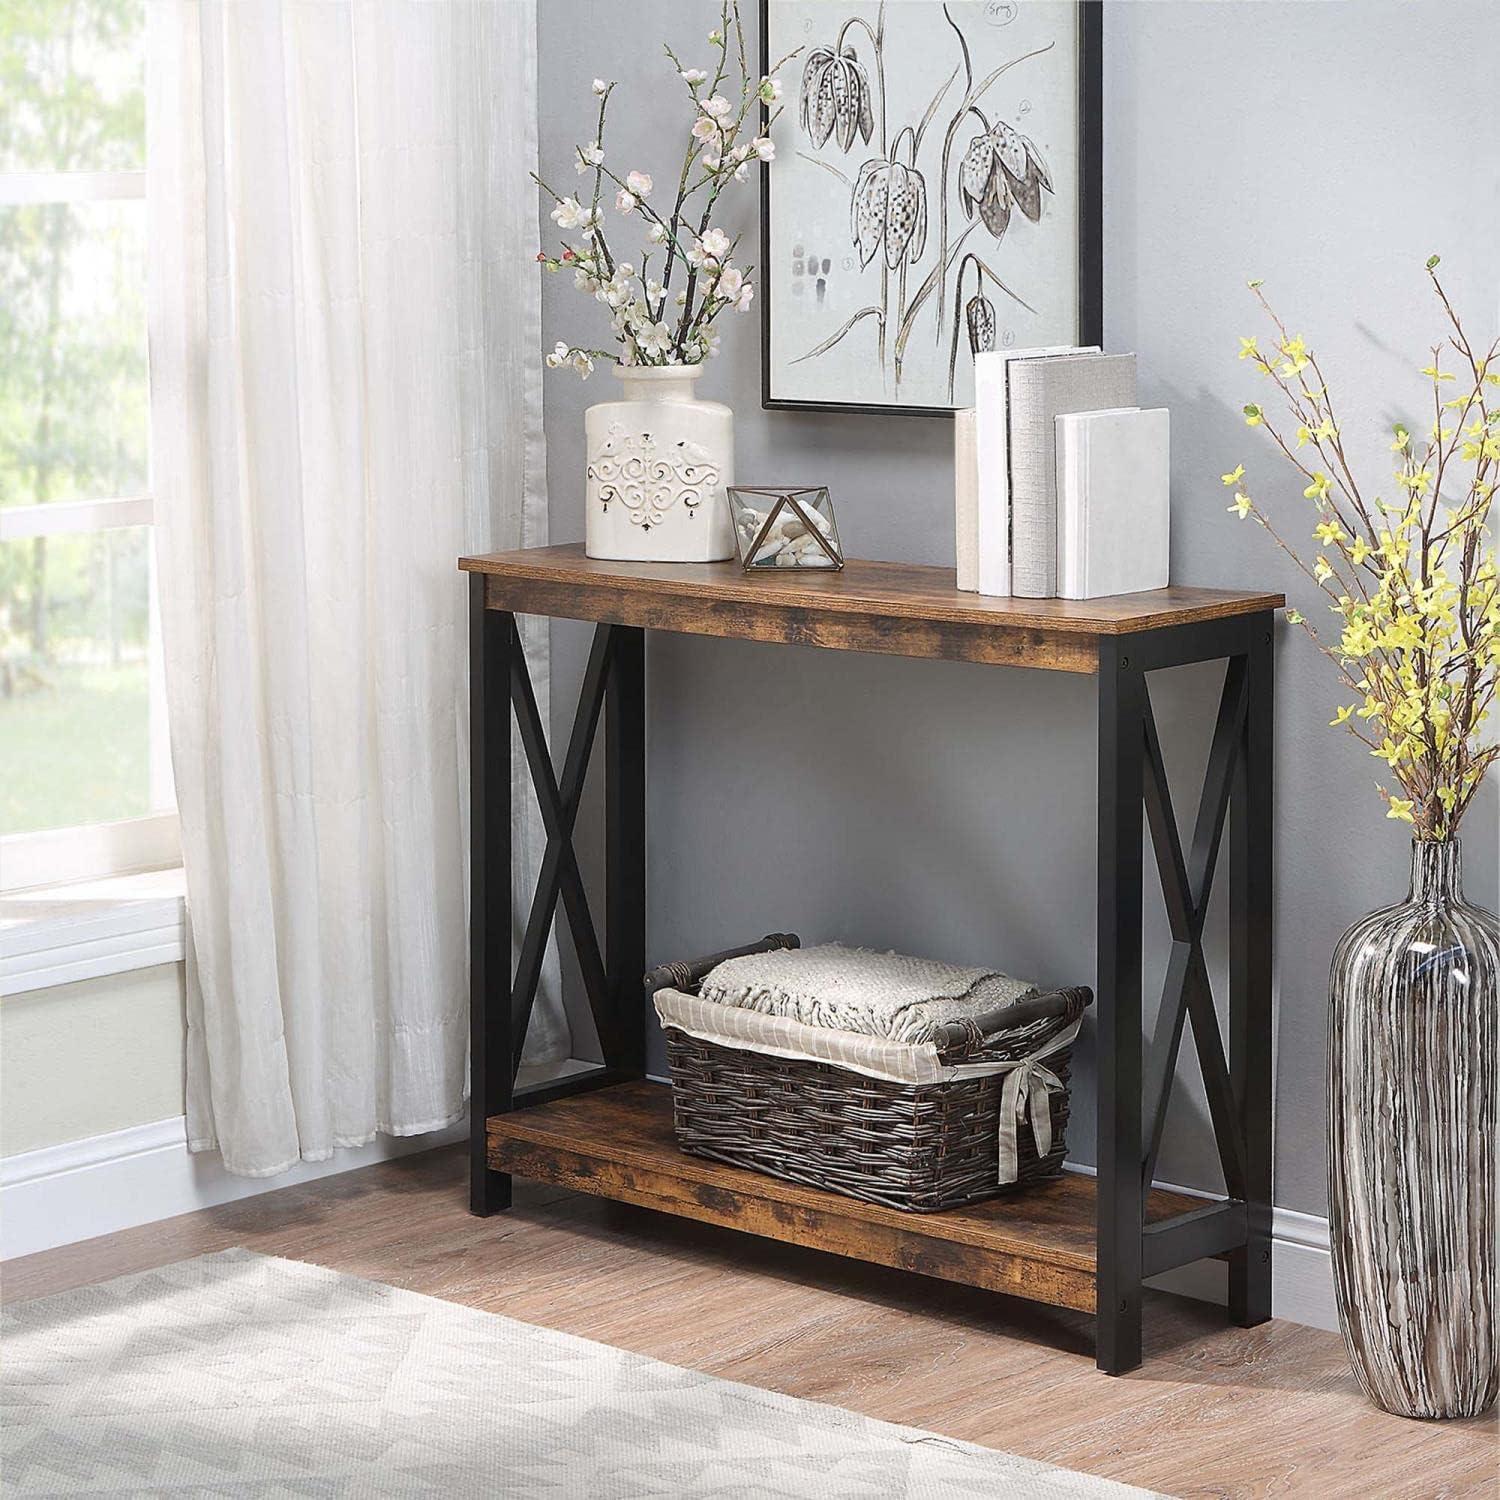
(345, 339)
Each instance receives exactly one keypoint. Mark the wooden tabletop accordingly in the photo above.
(902, 609)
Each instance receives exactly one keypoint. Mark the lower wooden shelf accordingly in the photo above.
(618, 1143)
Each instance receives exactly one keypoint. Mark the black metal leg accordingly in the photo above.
(625, 853)
(492, 642)
(1250, 924)
(1118, 987)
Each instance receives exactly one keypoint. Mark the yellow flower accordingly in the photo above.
(1247, 348)
(1296, 356)
(1242, 506)
(1304, 435)
(1254, 416)
(1345, 713)
(1360, 550)
(1322, 570)
(1401, 809)
(1403, 437)
(1234, 477)
(1295, 616)
(1433, 373)
(1318, 489)
(1329, 532)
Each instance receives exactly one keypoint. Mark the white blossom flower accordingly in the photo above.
(769, 90)
(705, 128)
(741, 151)
(653, 290)
(715, 37)
(716, 105)
(624, 270)
(559, 356)
(713, 246)
(657, 233)
(589, 156)
(681, 298)
(712, 161)
(764, 147)
(600, 86)
(654, 339)
(626, 202)
(585, 280)
(742, 171)
(583, 362)
(734, 289)
(693, 76)
(569, 213)
(639, 183)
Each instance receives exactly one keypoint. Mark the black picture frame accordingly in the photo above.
(1090, 220)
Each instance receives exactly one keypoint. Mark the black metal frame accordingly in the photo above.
(1133, 798)
(1090, 218)
(614, 685)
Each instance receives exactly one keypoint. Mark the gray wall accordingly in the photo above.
(947, 808)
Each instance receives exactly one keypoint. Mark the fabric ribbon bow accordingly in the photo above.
(1027, 1091)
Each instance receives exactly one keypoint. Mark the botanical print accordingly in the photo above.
(924, 197)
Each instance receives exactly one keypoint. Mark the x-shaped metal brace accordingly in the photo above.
(1187, 884)
(559, 798)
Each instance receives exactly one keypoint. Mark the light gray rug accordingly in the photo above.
(239, 1375)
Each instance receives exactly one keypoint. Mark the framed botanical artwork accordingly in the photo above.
(935, 191)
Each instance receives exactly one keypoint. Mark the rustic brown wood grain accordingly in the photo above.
(1217, 1411)
(901, 609)
(618, 1143)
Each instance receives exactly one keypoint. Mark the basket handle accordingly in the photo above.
(687, 976)
(1062, 1005)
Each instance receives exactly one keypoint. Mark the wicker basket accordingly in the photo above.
(926, 1147)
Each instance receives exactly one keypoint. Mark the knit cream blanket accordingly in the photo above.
(856, 989)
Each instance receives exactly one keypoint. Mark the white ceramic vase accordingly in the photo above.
(658, 462)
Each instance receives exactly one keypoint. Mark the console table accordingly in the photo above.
(1079, 1242)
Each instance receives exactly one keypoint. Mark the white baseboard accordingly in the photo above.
(62, 1194)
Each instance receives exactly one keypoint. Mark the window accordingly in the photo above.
(85, 783)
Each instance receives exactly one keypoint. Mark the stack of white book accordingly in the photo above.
(1061, 480)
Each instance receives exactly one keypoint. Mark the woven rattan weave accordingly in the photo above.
(926, 1148)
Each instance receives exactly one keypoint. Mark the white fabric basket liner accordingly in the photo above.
(1024, 1095)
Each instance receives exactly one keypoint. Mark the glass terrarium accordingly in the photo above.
(785, 526)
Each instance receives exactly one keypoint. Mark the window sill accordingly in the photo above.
(64, 933)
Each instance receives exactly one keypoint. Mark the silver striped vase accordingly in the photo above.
(1412, 1082)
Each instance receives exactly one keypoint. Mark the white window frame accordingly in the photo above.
(93, 851)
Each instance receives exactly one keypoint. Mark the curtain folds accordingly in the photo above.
(345, 382)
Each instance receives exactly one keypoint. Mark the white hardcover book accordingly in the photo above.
(992, 461)
(965, 499)
(1113, 501)
(1039, 390)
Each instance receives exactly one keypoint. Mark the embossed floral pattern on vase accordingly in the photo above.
(630, 469)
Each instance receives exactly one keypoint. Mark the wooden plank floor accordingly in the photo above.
(1215, 1412)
